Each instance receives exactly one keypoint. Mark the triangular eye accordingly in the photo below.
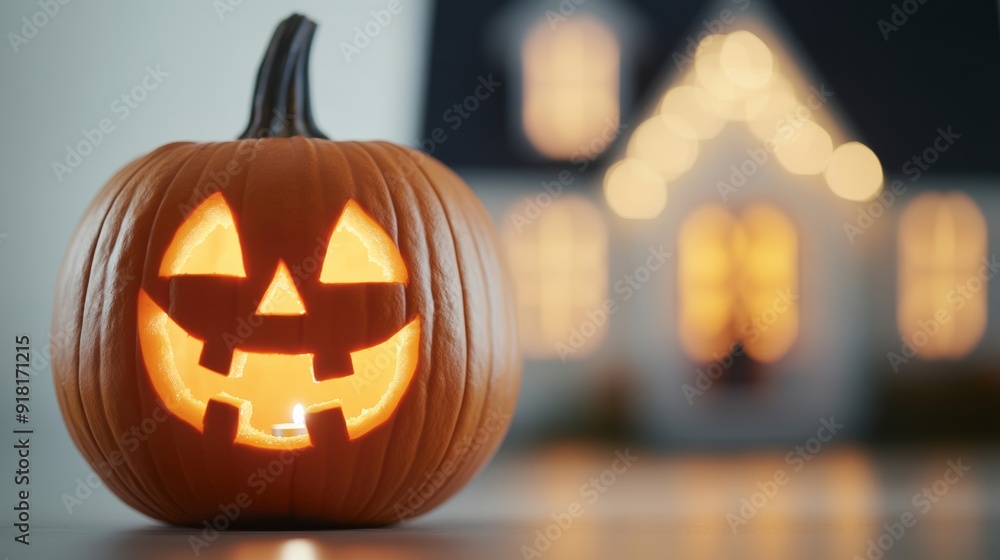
(360, 251)
(206, 243)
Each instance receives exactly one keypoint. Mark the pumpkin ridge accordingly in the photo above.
(370, 150)
(294, 476)
(324, 457)
(393, 495)
(150, 487)
(350, 180)
(466, 327)
(165, 190)
(126, 488)
(489, 447)
(389, 426)
(174, 508)
(86, 442)
(178, 509)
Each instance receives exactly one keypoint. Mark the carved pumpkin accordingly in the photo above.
(303, 331)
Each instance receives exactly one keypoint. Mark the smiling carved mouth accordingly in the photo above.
(265, 387)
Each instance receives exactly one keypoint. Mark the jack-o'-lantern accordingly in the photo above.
(285, 330)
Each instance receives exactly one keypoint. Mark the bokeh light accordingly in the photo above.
(746, 60)
(661, 148)
(690, 110)
(803, 148)
(633, 190)
(854, 172)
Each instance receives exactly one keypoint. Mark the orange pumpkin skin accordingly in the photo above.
(286, 194)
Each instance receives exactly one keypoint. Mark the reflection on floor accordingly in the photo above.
(578, 502)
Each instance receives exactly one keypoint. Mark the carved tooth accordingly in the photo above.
(216, 356)
(222, 419)
(327, 425)
(332, 365)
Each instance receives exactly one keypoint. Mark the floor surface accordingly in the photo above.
(569, 502)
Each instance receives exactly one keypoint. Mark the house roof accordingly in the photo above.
(897, 86)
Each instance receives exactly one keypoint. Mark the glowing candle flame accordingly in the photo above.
(299, 414)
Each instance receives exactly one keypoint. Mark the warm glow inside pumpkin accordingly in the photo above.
(267, 386)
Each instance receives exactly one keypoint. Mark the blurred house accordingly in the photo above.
(711, 253)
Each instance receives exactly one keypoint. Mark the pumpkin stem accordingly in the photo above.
(281, 97)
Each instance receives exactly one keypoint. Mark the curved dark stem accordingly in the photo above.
(281, 98)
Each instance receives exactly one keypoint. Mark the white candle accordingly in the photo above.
(296, 427)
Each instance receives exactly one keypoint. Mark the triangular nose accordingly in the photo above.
(281, 296)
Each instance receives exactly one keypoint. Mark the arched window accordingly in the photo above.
(738, 282)
(942, 275)
(559, 263)
(571, 86)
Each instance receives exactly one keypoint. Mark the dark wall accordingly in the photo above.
(939, 68)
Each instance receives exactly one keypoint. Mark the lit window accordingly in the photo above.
(571, 86)
(738, 282)
(560, 267)
(942, 276)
